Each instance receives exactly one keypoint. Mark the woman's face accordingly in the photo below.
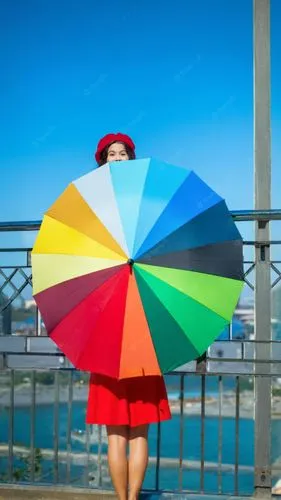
(117, 152)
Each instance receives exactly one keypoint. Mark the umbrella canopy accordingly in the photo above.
(137, 268)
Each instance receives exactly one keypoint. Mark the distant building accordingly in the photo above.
(28, 304)
(5, 316)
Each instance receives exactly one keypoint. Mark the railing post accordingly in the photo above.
(262, 160)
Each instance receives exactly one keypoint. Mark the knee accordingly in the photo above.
(141, 431)
(117, 438)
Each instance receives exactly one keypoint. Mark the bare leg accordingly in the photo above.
(138, 459)
(117, 458)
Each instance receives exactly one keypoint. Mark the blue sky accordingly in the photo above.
(177, 76)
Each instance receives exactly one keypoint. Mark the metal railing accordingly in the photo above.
(10, 272)
(214, 428)
(180, 455)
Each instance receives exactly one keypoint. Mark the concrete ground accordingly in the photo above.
(20, 492)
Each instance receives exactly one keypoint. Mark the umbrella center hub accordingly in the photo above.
(130, 262)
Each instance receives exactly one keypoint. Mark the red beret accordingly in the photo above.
(109, 139)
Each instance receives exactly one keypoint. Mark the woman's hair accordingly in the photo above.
(104, 153)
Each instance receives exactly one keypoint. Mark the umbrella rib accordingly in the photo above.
(56, 279)
(92, 257)
(226, 263)
(91, 237)
(190, 296)
(73, 231)
(172, 232)
(167, 202)
(178, 323)
(138, 187)
(109, 296)
(97, 191)
(176, 363)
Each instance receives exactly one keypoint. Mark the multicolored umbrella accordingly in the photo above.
(137, 268)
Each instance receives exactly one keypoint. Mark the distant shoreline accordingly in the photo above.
(45, 395)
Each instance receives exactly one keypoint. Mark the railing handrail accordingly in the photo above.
(255, 215)
(20, 226)
(238, 215)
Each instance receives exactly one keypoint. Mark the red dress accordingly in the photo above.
(132, 402)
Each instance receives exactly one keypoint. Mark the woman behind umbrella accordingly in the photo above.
(128, 406)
